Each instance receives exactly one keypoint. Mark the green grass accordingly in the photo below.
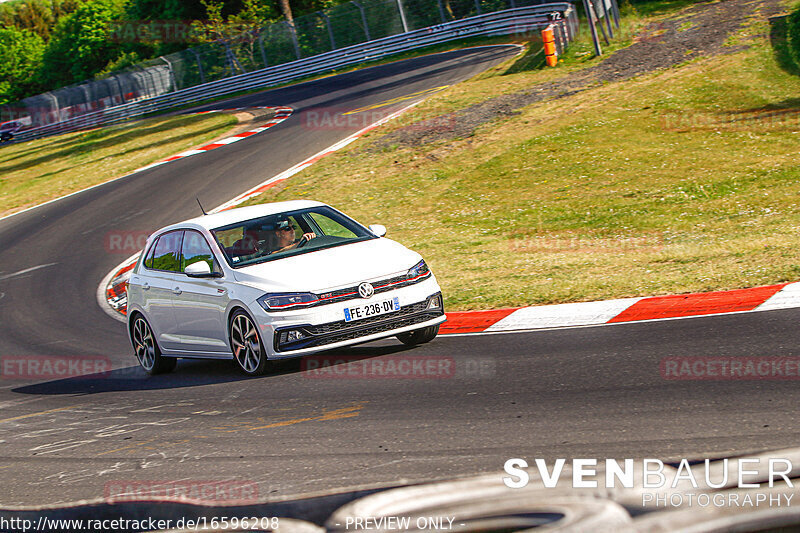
(37, 171)
(679, 181)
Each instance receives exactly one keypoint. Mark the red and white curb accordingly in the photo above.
(767, 298)
(281, 114)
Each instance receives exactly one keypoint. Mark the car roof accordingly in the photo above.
(232, 216)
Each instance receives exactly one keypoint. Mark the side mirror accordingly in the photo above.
(200, 269)
(377, 229)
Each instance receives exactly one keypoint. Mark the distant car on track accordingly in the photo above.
(275, 281)
(8, 129)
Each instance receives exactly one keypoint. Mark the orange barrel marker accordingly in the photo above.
(550, 46)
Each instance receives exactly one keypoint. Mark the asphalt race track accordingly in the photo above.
(582, 392)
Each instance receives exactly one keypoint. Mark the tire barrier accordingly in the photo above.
(485, 503)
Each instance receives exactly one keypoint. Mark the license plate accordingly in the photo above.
(371, 309)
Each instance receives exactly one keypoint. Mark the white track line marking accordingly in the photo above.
(31, 269)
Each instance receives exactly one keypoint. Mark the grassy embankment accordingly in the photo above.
(676, 181)
(37, 171)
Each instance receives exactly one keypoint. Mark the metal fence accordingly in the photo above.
(348, 34)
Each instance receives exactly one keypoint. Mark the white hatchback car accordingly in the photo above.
(274, 281)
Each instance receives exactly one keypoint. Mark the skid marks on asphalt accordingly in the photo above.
(129, 438)
(325, 415)
(40, 413)
(67, 428)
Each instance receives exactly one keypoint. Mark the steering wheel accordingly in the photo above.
(302, 242)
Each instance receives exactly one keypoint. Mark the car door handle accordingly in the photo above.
(145, 286)
(177, 290)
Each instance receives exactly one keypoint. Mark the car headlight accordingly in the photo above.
(420, 269)
(286, 300)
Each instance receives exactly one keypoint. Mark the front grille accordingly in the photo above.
(351, 293)
(377, 328)
(333, 332)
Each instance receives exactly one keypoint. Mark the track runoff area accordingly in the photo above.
(590, 392)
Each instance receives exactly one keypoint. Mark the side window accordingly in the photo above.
(148, 261)
(166, 255)
(196, 249)
(228, 237)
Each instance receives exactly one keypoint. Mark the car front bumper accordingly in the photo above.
(324, 327)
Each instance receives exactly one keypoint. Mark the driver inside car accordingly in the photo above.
(284, 237)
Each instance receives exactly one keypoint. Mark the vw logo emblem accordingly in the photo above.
(366, 290)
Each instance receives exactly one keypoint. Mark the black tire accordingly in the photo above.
(246, 345)
(419, 336)
(146, 348)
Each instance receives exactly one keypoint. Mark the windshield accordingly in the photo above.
(286, 234)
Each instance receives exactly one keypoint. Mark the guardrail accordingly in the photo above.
(511, 21)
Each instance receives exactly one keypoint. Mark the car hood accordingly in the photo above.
(330, 268)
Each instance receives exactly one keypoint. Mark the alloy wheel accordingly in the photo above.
(246, 345)
(143, 344)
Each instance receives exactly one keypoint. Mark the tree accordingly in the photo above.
(238, 32)
(287, 11)
(80, 46)
(20, 54)
(793, 38)
(38, 16)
